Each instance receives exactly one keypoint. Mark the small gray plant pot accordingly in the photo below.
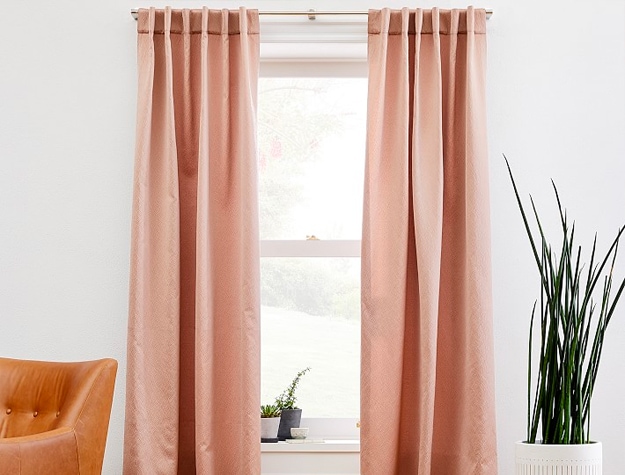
(289, 418)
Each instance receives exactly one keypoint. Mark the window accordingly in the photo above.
(311, 151)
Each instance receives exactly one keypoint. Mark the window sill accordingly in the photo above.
(319, 445)
(338, 454)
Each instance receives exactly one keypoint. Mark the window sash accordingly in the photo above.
(309, 248)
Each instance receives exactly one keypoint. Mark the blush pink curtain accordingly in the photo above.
(427, 397)
(193, 335)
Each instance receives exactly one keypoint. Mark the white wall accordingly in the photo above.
(67, 105)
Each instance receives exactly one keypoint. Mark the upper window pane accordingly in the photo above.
(312, 153)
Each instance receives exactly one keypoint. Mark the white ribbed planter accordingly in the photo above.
(543, 459)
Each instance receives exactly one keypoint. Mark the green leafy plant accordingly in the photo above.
(287, 399)
(269, 410)
(572, 323)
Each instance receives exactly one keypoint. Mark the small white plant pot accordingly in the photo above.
(582, 459)
(269, 427)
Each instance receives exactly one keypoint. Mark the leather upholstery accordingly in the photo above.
(54, 417)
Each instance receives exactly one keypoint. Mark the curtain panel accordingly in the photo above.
(193, 333)
(427, 384)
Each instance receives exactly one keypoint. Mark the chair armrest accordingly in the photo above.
(48, 453)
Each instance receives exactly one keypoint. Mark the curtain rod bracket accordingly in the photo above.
(311, 15)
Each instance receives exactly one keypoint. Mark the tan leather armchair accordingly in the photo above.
(54, 417)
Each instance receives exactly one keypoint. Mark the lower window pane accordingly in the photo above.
(310, 317)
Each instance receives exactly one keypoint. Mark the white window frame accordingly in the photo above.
(328, 53)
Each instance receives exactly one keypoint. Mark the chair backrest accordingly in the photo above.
(39, 396)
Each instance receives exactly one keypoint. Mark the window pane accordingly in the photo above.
(312, 153)
(311, 317)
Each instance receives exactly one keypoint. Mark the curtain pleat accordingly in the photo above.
(427, 397)
(193, 334)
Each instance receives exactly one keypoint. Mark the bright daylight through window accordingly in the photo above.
(312, 149)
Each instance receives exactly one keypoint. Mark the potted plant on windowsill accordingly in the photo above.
(269, 422)
(572, 319)
(291, 415)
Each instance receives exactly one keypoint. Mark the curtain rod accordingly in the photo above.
(311, 14)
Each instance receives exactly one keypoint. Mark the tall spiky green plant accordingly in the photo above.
(572, 330)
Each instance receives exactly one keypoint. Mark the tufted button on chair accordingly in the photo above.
(54, 417)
